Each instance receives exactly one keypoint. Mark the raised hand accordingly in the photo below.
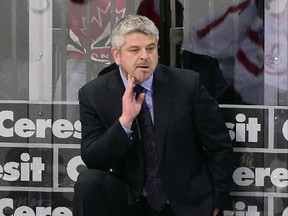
(130, 106)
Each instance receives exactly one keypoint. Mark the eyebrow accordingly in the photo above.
(136, 46)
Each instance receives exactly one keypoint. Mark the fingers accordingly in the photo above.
(140, 98)
(130, 106)
(216, 211)
(129, 92)
(130, 85)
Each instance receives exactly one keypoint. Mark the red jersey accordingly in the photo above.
(100, 29)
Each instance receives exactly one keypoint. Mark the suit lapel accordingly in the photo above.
(114, 100)
(163, 96)
(115, 92)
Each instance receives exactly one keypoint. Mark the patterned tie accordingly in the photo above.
(155, 193)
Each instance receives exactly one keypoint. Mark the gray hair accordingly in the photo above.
(132, 24)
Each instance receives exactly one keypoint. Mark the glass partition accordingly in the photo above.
(50, 48)
(239, 48)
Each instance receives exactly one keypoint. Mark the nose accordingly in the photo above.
(143, 54)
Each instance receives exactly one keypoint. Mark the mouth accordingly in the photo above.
(143, 67)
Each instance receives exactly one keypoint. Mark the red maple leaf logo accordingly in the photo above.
(99, 31)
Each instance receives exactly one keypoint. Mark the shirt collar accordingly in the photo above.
(147, 84)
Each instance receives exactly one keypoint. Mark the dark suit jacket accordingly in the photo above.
(191, 136)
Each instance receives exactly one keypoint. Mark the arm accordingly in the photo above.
(217, 144)
(102, 147)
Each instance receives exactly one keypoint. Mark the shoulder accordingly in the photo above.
(108, 69)
(184, 81)
(177, 74)
(101, 80)
(101, 83)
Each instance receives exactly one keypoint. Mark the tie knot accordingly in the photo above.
(138, 89)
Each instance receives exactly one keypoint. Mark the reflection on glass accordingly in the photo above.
(89, 26)
(14, 50)
(150, 9)
(249, 64)
(276, 44)
(231, 32)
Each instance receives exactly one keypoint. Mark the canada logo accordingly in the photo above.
(98, 33)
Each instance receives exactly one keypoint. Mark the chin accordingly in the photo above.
(141, 79)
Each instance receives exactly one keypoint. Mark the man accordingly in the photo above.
(191, 140)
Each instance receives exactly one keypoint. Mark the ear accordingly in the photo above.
(116, 55)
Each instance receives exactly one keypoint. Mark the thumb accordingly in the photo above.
(140, 98)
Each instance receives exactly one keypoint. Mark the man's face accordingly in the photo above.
(138, 56)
